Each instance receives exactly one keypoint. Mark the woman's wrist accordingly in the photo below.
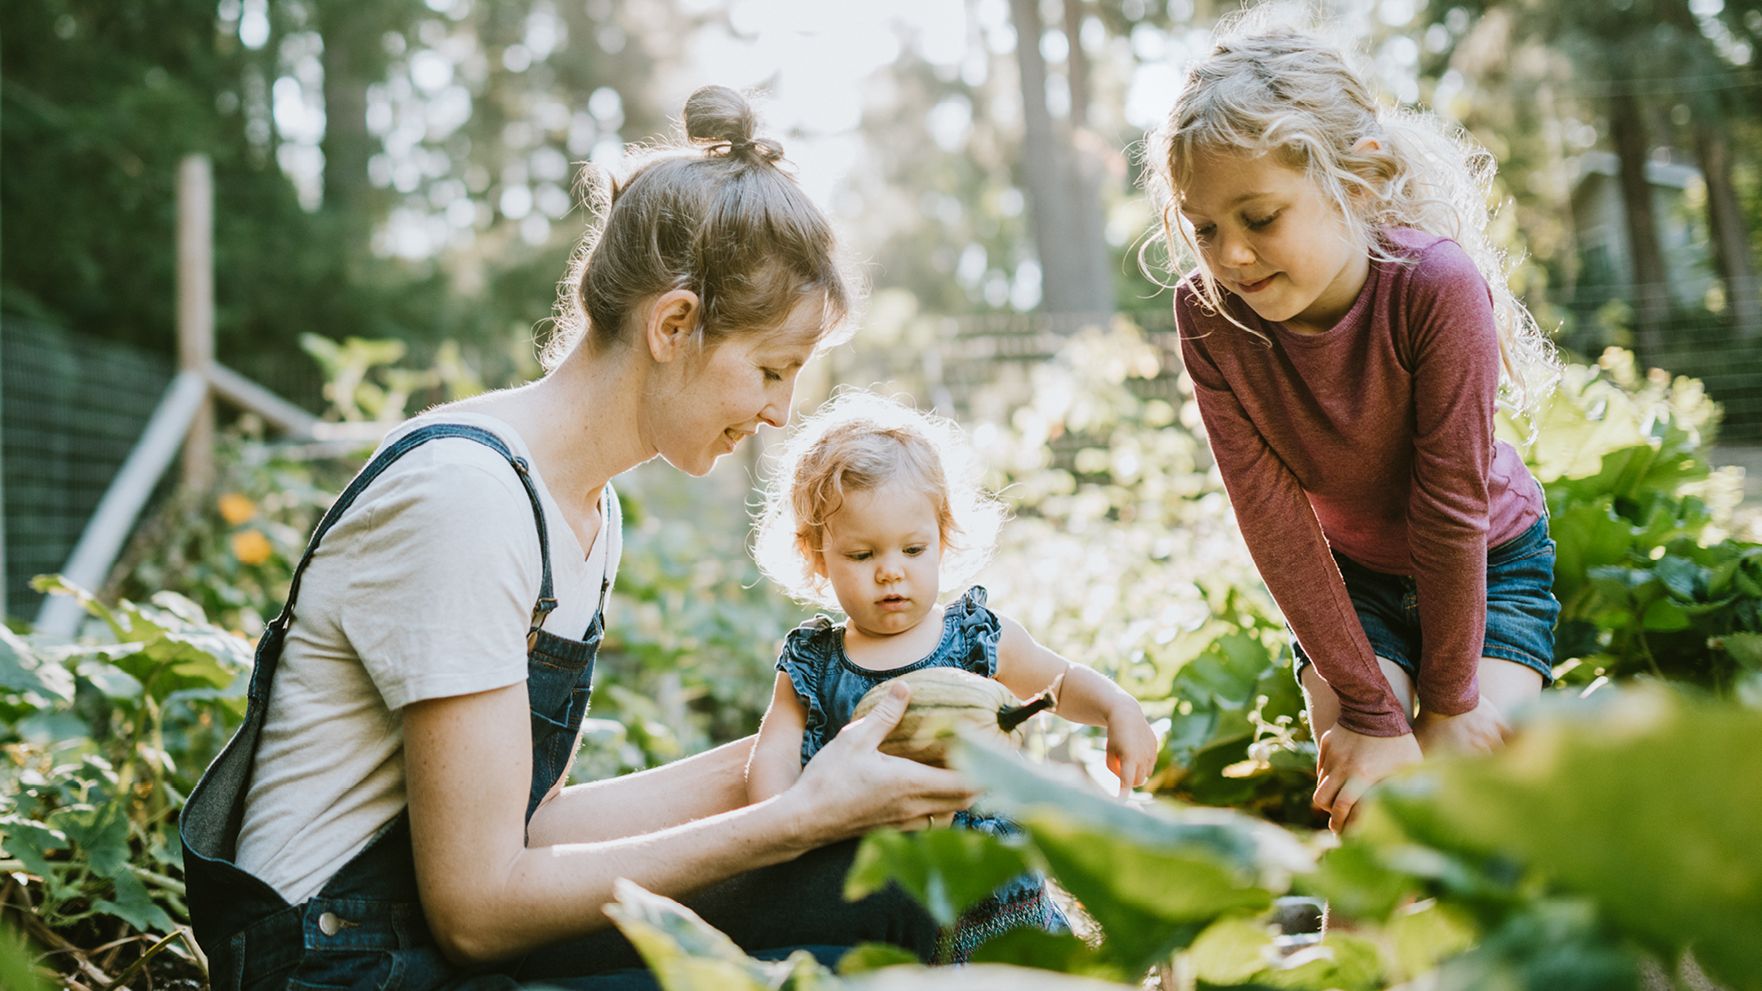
(797, 825)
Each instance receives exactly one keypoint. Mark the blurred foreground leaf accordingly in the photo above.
(1649, 805)
(1151, 879)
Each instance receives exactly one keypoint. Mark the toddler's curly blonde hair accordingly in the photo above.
(858, 442)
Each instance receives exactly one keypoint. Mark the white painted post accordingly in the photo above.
(195, 307)
(111, 521)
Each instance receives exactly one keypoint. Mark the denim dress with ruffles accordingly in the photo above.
(828, 684)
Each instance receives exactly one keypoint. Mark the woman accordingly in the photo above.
(392, 812)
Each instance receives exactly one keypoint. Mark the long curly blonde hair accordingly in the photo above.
(858, 442)
(1268, 88)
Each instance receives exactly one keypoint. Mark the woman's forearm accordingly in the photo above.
(549, 893)
(695, 787)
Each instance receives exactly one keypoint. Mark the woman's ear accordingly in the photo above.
(670, 323)
(1366, 145)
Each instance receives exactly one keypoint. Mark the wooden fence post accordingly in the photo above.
(195, 308)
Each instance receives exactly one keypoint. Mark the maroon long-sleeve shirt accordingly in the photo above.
(1374, 437)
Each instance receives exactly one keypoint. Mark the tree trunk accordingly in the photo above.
(1651, 295)
(1088, 165)
(1731, 236)
(351, 54)
(1055, 203)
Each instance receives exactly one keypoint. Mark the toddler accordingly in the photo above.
(874, 509)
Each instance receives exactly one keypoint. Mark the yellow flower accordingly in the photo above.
(236, 508)
(251, 547)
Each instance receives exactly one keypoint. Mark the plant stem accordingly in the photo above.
(141, 962)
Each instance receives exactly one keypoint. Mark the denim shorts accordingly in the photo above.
(1521, 608)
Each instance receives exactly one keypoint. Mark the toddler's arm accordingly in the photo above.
(1087, 696)
(776, 757)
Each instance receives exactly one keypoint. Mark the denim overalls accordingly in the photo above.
(365, 927)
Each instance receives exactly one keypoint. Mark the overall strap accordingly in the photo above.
(386, 458)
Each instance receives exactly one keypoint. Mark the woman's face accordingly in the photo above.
(712, 401)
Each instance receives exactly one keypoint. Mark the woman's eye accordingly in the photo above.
(858, 555)
(1203, 231)
(773, 374)
(1263, 222)
(914, 551)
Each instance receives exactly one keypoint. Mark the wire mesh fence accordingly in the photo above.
(71, 408)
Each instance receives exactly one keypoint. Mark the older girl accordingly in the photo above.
(1345, 328)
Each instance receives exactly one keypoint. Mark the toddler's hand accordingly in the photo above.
(1350, 763)
(1478, 731)
(1131, 747)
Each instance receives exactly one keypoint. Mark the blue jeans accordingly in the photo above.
(1521, 608)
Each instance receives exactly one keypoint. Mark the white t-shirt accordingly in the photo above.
(423, 589)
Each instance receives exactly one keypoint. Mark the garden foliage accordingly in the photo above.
(1539, 867)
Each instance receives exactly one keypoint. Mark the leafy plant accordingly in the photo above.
(104, 740)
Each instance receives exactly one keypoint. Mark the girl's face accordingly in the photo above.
(1268, 234)
(708, 403)
(882, 552)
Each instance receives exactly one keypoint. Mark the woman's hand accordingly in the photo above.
(850, 787)
(1480, 730)
(1131, 747)
(1350, 763)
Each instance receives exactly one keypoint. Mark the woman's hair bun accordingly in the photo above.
(722, 120)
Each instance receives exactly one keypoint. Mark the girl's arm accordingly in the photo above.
(1455, 383)
(1026, 668)
(1086, 696)
(776, 757)
(487, 894)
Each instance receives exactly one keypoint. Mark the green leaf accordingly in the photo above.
(946, 870)
(1232, 950)
(23, 670)
(31, 842)
(873, 956)
(1152, 880)
(1062, 952)
(684, 952)
(1427, 934)
(132, 903)
(1630, 773)
(1744, 648)
(1358, 881)
(17, 971)
(1341, 962)
(976, 977)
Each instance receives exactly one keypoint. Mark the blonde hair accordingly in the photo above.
(716, 214)
(1271, 89)
(859, 442)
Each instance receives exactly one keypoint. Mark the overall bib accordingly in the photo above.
(365, 927)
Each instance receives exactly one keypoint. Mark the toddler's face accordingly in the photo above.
(883, 555)
(1267, 233)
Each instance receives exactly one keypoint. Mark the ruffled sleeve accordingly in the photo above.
(979, 630)
(807, 650)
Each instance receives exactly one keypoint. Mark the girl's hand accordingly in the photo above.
(1350, 763)
(1480, 730)
(1131, 747)
(850, 787)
